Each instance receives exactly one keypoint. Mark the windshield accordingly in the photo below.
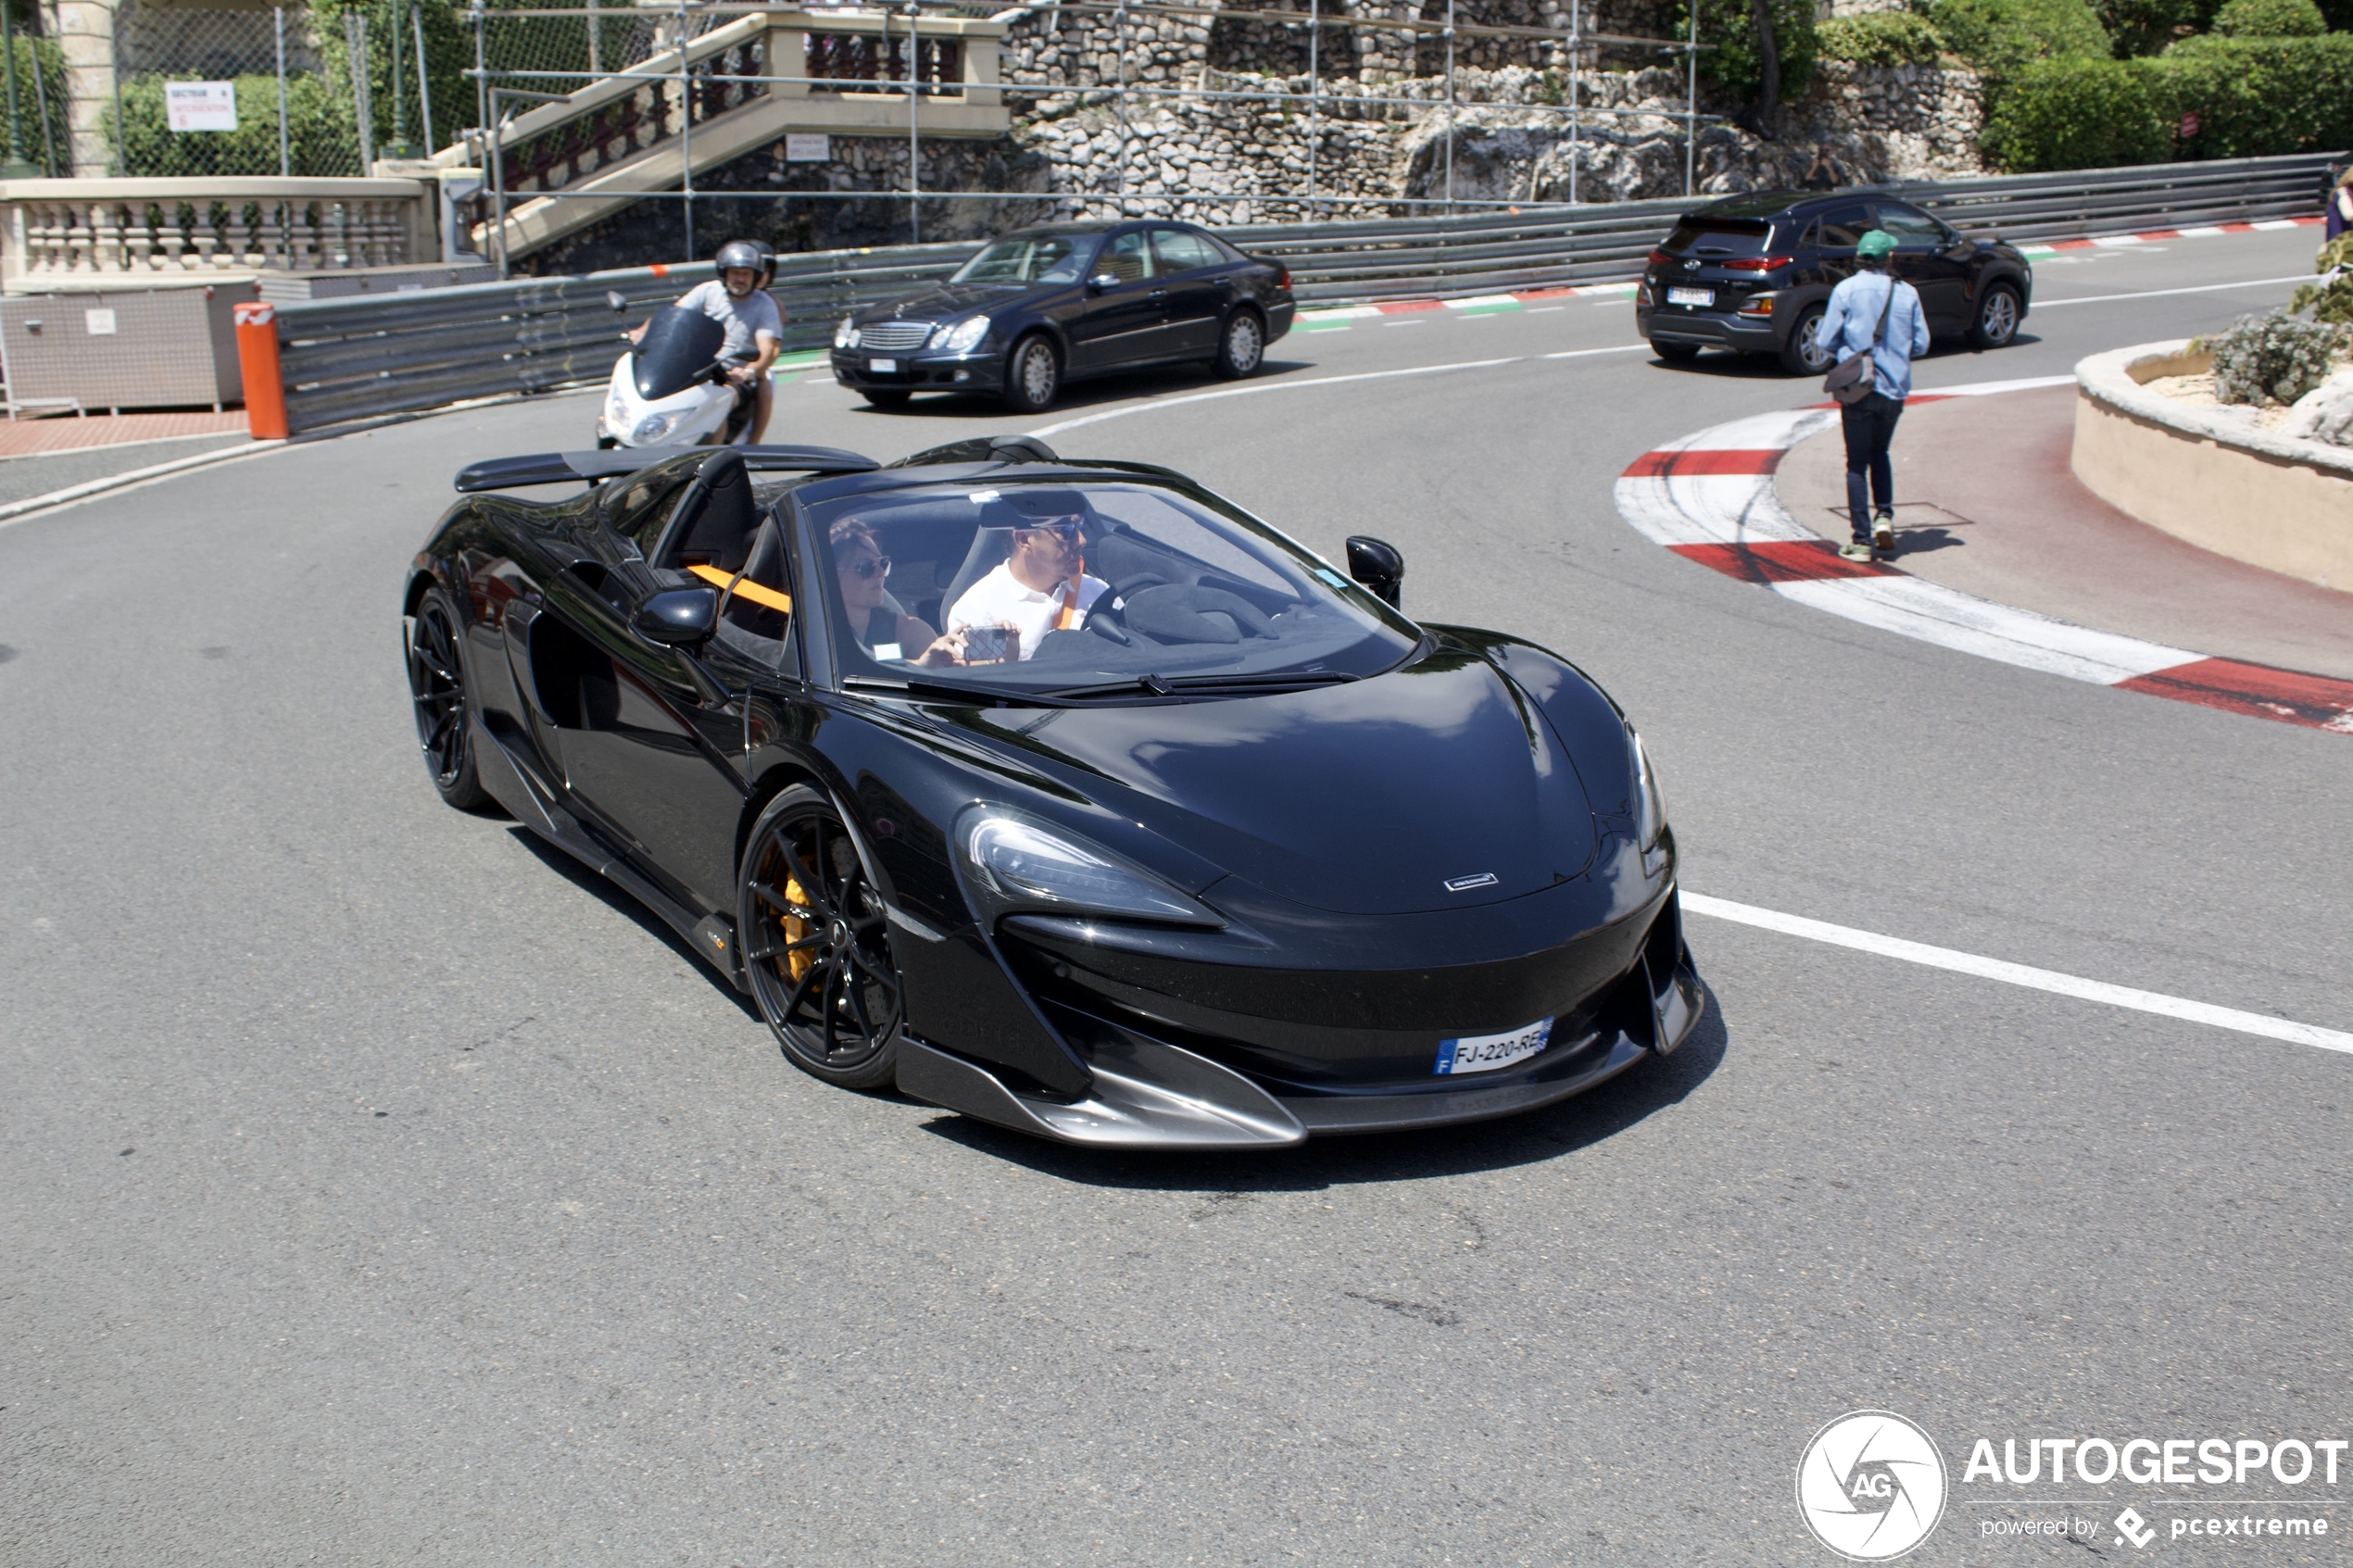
(678, 346)
(1092, 590)
(1029, 258)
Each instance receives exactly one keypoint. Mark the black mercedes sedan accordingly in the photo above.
(1068, 795)
(1044, 306)
(1751, 272)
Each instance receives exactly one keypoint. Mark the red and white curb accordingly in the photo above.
(1709, 497)
(1338, 318)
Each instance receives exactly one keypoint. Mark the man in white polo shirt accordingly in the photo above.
(1041, 586)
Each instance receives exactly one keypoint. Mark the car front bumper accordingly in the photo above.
(1188, 1053)
(981, 370)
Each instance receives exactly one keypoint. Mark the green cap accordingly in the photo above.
(1878, 242)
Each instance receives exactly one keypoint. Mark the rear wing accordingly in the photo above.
(573, 468)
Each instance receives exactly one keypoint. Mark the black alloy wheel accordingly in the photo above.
(1674, 353)
(1033, 375)
(816, 944)
(437, 686)
(887, 397)
(1801, 354)
(1997, 319)
(1241, 347)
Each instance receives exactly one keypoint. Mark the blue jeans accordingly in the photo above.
(1869, 425)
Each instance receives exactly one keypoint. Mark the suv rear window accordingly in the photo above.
(1720, 236)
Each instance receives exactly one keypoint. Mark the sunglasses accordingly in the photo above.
(1065, 529)
(873, 566)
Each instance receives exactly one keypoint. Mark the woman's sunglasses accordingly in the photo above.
(872, 566)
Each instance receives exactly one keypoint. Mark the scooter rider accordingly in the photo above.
(735, 299)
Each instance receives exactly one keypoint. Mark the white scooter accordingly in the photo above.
(671, 389)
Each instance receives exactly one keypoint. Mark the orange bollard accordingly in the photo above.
(258, 364)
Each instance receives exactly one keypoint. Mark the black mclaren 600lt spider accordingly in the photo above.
(1065, 794)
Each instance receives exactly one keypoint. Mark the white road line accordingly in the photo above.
(1256, 389)
(36, 506)
(2159, 293)
(2021, 974)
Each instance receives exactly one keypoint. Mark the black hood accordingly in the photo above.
(1365, 799)
(939, 302)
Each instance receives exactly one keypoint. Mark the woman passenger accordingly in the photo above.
(864, 570)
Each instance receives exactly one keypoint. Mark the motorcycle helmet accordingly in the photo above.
(767, 260)
(744, 253)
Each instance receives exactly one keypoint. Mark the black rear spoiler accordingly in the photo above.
(570, 467)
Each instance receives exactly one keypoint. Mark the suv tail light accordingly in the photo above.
(1660, 258)
(1282, 277)
(1757, 263)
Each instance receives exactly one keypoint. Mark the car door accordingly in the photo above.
(1198, 279)
(1836, 233)
(1127, 310)
(1933, 259)
(652, 738)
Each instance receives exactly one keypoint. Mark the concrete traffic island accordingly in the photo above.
(2210, 474)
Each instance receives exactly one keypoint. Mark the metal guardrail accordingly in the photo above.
(348, 360)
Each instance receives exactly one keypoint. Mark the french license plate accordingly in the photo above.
(883, 367)
(1485, 1053)
(1690, 296)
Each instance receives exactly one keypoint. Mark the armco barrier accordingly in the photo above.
(366, 356)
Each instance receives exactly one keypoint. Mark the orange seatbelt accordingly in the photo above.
(1070, 601)
(767, 599)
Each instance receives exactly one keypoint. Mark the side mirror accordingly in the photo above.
(1101, 282)
(676, 616)
(1377, 566)
(617, 300)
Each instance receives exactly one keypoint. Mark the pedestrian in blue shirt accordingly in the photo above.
(1876, 314)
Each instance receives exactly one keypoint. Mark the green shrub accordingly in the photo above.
(320, 136)
(2257, 97)
(2331, 299)
(2270, 18)
(2144, 27)
(2001, 38)
(2271, 358)
(1736, 64)
(1879, 38)
(2077, 114)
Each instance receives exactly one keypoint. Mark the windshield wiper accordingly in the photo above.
(950, 690)
(1180, 685)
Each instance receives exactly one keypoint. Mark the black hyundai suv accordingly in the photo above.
(1751, 272)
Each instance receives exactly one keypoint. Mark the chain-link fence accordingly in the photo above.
(34, 106)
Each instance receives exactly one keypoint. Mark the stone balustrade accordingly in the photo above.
(82, 234)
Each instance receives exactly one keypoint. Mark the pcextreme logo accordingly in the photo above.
(1871, 1485)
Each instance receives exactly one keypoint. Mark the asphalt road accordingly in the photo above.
(375, 1190)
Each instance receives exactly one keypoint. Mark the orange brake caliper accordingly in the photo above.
(797, 963)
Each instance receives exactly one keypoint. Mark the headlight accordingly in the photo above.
(1649, 806)
(653, 427)
(844, 336)
(1025, 863)
(966, 334)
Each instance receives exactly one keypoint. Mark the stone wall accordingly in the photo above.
(1220, 145)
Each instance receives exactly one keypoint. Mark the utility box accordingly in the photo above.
(151, 348)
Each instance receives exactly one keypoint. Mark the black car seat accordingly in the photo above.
(990, 547)
(754, 604)
(715, 520)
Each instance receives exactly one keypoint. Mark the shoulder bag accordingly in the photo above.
(1850, 380)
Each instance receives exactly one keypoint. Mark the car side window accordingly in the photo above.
(1175, 250)
(1842, 228)
(1910, 226)
(1129, 258)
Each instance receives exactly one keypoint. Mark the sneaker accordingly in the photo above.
(1853, 551)
(1883, 532)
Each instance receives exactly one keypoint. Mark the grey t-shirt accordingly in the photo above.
(742, 317)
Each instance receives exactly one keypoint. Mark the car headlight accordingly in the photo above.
(1021, 862)
(966, 334)
(653, 427)
(1649, 806)
(846, 335)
